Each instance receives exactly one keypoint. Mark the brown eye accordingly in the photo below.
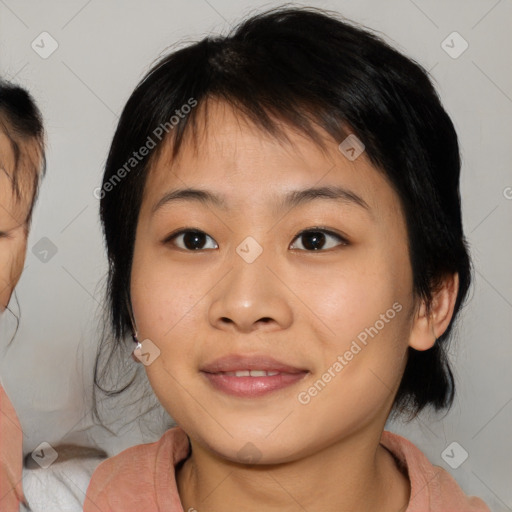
(191, 240)
(319, 239)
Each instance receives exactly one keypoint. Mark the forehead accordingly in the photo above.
(232, 156)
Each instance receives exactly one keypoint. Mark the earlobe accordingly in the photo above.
(429, 326)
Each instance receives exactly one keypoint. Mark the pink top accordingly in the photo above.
(143, 478)
(11, 456)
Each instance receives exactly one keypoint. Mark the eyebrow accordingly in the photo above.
(290, 200)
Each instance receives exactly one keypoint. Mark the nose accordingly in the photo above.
(250, 298)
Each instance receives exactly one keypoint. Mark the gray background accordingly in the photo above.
(104, 49)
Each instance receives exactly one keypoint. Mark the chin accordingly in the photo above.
(250, 445)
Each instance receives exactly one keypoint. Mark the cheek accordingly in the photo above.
(5, 286)
(353, 297)
(360, 346)
(363, 310)
(12, 257)
(166, 304)
(163, 297)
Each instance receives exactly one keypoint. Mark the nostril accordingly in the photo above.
(227, 320)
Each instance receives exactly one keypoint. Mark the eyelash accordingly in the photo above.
(316, 229)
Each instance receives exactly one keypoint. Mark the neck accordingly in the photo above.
(356, 473)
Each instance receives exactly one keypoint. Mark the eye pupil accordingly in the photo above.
(314, 240)
(192, 240)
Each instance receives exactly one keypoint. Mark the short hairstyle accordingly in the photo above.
(308, 68)
(22, 123)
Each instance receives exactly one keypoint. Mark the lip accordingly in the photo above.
(251, 387)
(235, 362)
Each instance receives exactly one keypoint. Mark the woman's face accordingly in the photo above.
(337, 319)
(13, 225)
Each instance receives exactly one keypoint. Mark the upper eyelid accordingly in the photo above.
(307, 230)
(321, 229)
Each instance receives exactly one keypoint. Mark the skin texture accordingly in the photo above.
(13, 225)
(13, 245)
(301, 307)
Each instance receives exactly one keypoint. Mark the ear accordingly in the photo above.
(427, 328)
